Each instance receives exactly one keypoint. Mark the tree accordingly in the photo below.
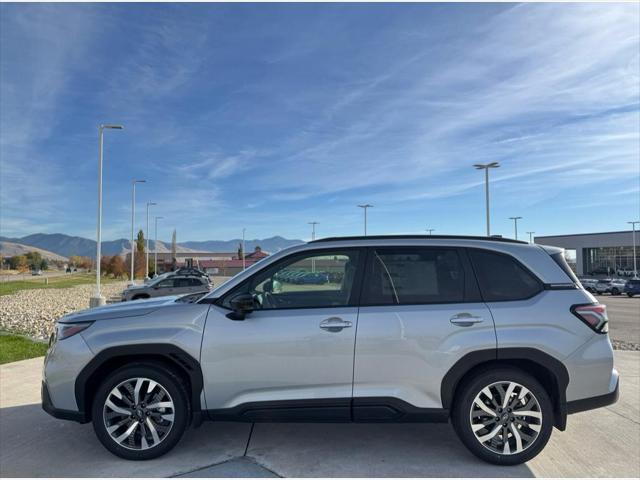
(34, 260)
(240, 251)
(139, 266)
(116, 266)
(174, 250)
(18, 262)
(104, 265)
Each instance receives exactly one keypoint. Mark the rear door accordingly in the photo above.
(420, 313)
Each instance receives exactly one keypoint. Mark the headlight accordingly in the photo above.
(66, 330)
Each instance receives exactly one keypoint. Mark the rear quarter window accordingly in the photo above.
(562, 263)
(502, 278)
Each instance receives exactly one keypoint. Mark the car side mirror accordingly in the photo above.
(241, 305)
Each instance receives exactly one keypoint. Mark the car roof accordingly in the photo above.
(418, 237)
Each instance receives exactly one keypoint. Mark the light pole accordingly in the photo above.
(244, 264)
(531, 236)
(313, 237)
(635, 264)
(430, 230)
(515, 224)
(146, 269)
(486, 167)
(155, 248)
(133, 219)
(97, 298)
(365, 207)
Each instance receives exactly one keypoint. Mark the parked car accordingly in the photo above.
(36, 272)
(167, 284)
(421, 329)
(589, 284)
(313, 278)
(617, 286)
(625, 272)
(603, 286)
(632, 287)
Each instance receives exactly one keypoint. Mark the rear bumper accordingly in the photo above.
(48, 407)
(591, 403)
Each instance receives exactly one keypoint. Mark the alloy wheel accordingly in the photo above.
(505, 417)
(138, 413)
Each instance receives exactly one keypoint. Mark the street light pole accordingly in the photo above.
(486, 167)
(635, 264)
(244, 263)
(365, 207)
(155, 248)
(133, 219)
(97, 298)
(146, 268)
(531, 236)
(515, 224)
(429, 230)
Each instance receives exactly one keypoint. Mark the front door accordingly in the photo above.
(293, 355)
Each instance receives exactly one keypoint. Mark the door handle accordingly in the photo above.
(465, 319)
(335, 324)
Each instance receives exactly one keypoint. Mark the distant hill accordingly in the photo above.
(10, 249)
(271, 245)
(66, 245)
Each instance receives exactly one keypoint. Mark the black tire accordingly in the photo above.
(630, 295)
(140, 297)
(615, 291)
(464, 400)
(170, 382)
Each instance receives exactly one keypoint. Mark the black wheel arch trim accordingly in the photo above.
(172, 354)
(558, 371)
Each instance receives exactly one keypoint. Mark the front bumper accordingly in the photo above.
(591, 403)
(62, 414)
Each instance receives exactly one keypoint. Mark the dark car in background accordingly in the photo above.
(632, 287)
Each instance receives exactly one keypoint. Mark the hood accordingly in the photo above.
(119, 310)
(136, 287)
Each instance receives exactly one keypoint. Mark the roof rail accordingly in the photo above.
(420, 237)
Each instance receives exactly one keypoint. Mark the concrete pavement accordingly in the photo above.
(603, 442)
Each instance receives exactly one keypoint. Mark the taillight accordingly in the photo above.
(594, 315)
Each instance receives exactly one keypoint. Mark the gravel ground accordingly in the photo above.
(34, 312)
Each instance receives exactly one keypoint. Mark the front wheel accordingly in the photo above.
(140, 411)
(503, 416)
(615, 291)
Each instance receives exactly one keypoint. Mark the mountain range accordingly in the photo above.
(66, 245)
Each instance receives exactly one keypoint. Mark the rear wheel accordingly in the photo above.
(140, 412)
(615, 291)
(503, 416)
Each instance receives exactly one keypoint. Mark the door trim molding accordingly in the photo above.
(330, 410)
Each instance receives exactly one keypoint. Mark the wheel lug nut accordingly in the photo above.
(513, 419)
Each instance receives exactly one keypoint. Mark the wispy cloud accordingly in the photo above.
(270, 115)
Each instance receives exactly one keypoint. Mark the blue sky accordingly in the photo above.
(271, 116)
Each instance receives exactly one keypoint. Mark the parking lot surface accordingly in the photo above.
(604, 442)
(624, 320)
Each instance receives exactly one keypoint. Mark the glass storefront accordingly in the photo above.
(609, 260)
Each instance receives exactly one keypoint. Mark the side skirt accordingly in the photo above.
(331, 410)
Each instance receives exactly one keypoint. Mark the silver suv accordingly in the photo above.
(496, 336)
(167, 284)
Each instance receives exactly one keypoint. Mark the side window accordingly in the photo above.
(305, 281)
(168, 283)
(501, 277)
(182, 282)
(414, 275)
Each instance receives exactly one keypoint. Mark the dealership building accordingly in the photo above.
(597, 253)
